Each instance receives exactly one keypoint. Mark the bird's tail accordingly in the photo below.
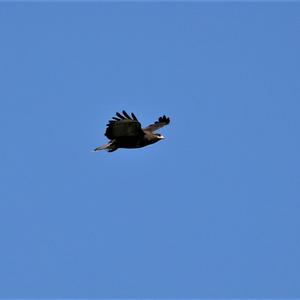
(110, 147)
(104, 147)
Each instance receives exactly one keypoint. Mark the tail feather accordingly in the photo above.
(102, 147)
(110, 147)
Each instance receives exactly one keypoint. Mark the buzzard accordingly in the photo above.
(125, 131)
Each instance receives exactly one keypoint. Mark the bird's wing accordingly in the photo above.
(123, 126)
(162, 121)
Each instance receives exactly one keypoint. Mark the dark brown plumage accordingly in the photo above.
(125, 131)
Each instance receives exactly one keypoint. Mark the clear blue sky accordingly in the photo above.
(211, 211)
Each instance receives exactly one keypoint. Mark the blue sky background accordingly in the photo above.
(211, 211)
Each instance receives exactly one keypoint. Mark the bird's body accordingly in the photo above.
(125, 131)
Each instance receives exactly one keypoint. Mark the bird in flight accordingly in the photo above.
(125, 131)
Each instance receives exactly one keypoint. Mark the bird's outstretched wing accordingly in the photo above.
(162, 121)
(123, 126)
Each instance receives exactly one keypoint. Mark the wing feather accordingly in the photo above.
(120, 116)
(126, 115)
(123, 127)
(133, 116)
(162, 121)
